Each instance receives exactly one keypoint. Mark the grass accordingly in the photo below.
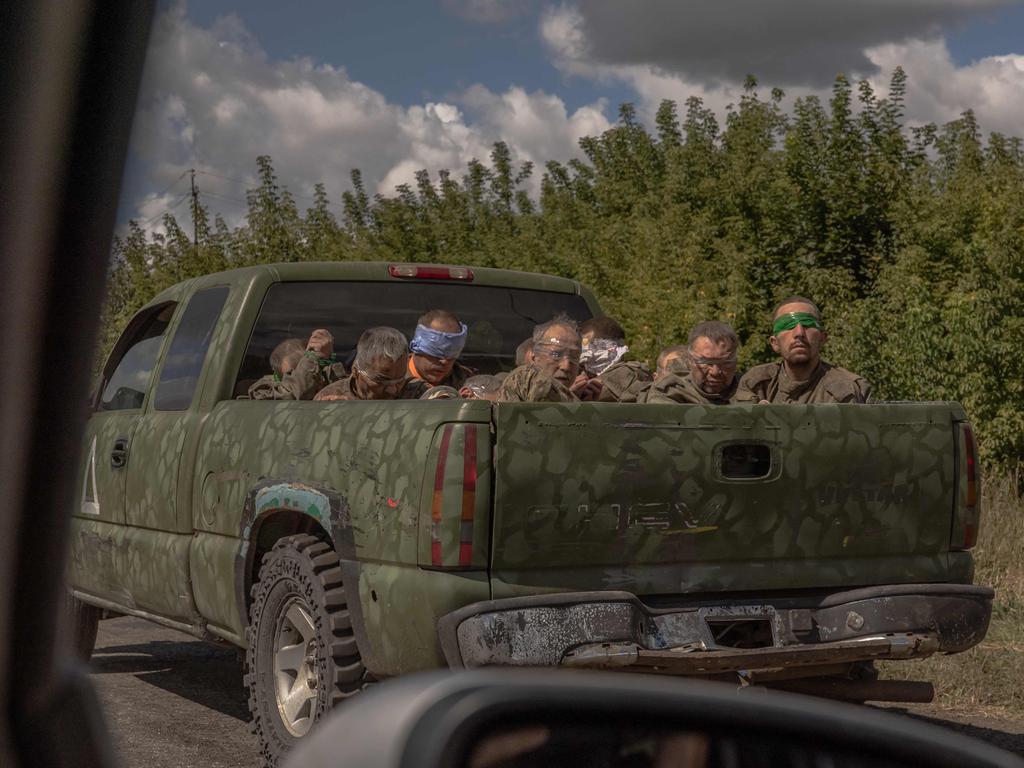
(986, 680)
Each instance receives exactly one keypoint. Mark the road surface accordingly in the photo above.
(172, 700)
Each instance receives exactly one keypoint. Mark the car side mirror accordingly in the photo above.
(504, 718)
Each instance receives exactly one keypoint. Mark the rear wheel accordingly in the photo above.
(302, 657)
(82, 621)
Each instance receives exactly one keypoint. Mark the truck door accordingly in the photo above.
(160, 477)
(97, 547)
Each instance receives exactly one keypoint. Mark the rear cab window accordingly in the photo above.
(499, 318)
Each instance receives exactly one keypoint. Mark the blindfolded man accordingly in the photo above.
(556, 363)
(439, 340)
(798, 335)
(706, 374)
(379, 371)
(605, 373)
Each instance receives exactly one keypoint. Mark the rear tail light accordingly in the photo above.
(417, 272)
(458, 502)
(965, 527)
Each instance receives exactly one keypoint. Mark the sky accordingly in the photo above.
(395, 86)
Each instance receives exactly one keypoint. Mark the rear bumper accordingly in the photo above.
(616, 629)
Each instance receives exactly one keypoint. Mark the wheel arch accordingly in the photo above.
(275, 509)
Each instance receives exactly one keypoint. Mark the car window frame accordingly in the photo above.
(122, 347)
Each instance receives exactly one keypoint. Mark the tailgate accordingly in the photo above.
(658, 499)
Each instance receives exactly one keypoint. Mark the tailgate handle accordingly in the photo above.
(119, 454)
(745, 461)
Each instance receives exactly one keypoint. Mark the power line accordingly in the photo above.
(168, 187)
(248, 184)
(164, 212)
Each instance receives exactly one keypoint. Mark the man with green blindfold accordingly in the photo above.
(802, 376)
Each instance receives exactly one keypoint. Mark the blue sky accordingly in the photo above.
(392, 87)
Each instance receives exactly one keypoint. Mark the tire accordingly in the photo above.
(299, 630)
(82, 621)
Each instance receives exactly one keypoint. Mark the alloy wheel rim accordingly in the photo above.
(295, 668)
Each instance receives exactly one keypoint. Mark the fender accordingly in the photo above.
(325, 506)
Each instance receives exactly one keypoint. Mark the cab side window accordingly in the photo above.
(180, 374)
(129, 370)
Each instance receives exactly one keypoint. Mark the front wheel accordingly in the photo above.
(302, 657)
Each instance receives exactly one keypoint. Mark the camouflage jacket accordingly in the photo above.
(625, 382)
(528, 384)
(302, 383)
(828, 384)
(345, 389)
(679, 387)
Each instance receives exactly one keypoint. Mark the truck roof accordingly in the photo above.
(376, 271)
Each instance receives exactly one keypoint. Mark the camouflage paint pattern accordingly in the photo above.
(591, 496)
(596, 496)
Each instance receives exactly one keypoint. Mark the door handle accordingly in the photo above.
(119, 455)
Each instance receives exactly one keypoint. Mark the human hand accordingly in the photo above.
(321, 343)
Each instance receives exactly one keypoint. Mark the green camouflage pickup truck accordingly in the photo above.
(343, 542)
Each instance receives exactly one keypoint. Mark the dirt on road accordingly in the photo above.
(172, 700)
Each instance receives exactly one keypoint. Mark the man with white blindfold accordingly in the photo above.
(439, 340)
(605, 373)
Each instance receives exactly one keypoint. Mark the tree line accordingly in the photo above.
(909, 237)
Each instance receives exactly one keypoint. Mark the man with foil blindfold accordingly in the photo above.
(439, 340)
(706, 373)
(605, 374)
(798, 335)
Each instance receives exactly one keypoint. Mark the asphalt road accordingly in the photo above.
(172, 700)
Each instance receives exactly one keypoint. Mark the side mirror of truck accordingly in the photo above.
(511, 718)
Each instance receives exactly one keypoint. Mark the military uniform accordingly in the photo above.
(529, 384)
(302, 383)
(679, 387)
(345, 390)
(828, 384)
(625, 382)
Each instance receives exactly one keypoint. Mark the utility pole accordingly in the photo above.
(195, 210)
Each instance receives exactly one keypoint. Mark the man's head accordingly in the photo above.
(286, 356)
(524, 353)
(480, 387)
(439, 340)
(556, 348)
(667, 357)
(380, 366)
(601, 328)
(711, 356)
(604, 344)
(798, 333)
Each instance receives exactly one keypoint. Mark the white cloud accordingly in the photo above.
(938, 89)
(787, 42)
(213, 100)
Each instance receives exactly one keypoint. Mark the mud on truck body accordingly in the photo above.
(345, 542)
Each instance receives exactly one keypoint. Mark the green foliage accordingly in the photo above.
(910, 239)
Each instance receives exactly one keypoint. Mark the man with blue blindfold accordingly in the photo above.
(439, 340)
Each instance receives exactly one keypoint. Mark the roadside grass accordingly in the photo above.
(989, 678)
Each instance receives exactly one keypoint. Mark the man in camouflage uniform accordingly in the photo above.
(802, 376)
(606, 375)
(439, 340)
(556, 363)
(308, 373)
(379, 372)
(707, 373)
